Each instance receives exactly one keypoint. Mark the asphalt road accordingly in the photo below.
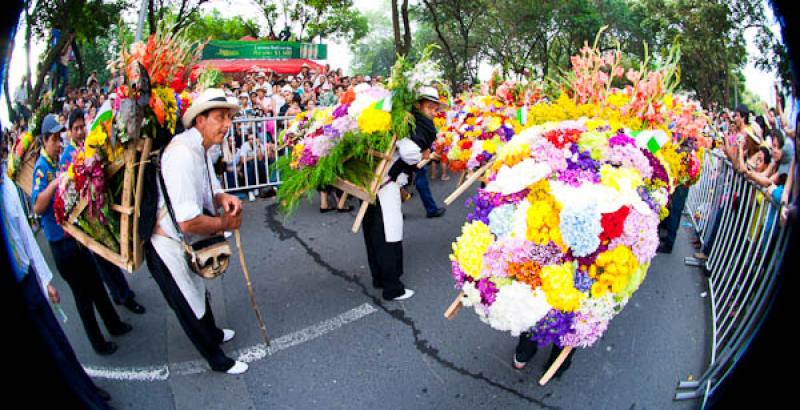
(336, 344)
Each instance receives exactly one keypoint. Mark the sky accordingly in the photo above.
(340, 55)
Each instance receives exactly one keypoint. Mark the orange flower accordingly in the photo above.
(528, 272)
(158, 109)
(348, 97)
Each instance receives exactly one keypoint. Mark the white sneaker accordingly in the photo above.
(251, 196)
(238, 368)
(227, 335)
(406, 295)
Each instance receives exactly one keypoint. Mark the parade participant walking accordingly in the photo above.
(111, 274)
(383, 222)
(74, 262)
(194, 196)
(34, 280)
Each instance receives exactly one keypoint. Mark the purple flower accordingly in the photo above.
(458, 274)
(341, 110)
(544, 255)
(488, 291)
(582, 281)
(658, 170)
(552, 327)
(621, 139)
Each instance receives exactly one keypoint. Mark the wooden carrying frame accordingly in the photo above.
(24, 176)
(367, 196)
(131, 247)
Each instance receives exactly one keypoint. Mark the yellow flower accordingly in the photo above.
(618, 100)
(469, 248)
(490, 146)
(495, 123)
(511, 154)
(621, 179)
(558, 285)
(543, 216)
(613, 269)
(71, 172)
(373, 120)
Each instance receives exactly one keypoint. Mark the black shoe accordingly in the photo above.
(103, 394)
(439, 212)
(663, 248)
(267, 193)
(106, 348)
(134, 306)
(524, 352)
(120, 329)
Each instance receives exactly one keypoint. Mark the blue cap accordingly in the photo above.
(50, 125)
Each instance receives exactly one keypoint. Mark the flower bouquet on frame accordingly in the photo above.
(475, 130)
(154, 96)
(341, 141)
(563, 232)
(87, 180)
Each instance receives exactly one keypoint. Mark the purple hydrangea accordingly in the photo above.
(552, 327)
(488, 291)
(582, 281)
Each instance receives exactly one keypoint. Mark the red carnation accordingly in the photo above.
(614, 223)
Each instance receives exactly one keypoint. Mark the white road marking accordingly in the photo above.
(247, 355)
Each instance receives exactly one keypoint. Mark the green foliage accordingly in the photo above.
(213, 25)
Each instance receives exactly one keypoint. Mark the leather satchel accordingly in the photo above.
(209, 258)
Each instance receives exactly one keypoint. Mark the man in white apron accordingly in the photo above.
(383, 222)
(195, 195)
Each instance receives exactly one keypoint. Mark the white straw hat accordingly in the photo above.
(208, 100)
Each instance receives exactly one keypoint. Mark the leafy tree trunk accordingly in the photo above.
(44, 65)
(401, 45)
(11, 113)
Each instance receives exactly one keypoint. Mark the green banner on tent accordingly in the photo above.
(263, 50)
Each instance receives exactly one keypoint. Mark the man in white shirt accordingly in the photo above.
(195, 196)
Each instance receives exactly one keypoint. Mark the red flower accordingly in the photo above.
(465, 144)
(614, 223)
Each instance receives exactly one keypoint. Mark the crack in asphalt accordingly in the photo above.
(422, 345)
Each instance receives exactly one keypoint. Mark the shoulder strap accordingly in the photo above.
(167, 201)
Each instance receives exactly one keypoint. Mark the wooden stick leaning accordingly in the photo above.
(555, 366)
(454, 307)
(471, 180)
(261, 325)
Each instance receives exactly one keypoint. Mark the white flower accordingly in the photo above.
(517, 308)
(519, 223)
(472, 295)
(518, 177)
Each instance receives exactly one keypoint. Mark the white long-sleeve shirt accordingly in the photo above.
(23, 247)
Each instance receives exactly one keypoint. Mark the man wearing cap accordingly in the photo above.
(425, 126)
(111, 274)
(383, 222)
(196, 196)
(73, 262)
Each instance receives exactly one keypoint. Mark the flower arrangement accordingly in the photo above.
(339, 141)
(474, 129)
(565, 228)
(22, 145)
(557, 241)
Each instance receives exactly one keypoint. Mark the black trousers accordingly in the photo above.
(45, 323)
(76, 265)
(527, 348)
(203, 332)
(385, 258)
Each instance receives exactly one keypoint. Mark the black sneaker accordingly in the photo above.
(106, 348)
(134, 306)
(524, 352)
(439, 212)
(121, 329)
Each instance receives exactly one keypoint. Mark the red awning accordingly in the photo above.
(291, 66)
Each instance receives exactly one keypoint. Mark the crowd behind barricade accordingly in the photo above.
(762, 148)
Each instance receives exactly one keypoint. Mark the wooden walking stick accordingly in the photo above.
(250, 288)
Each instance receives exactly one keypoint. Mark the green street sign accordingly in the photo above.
(263, 50)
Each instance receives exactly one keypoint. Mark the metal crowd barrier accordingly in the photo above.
(255, 166)
(738, 224)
